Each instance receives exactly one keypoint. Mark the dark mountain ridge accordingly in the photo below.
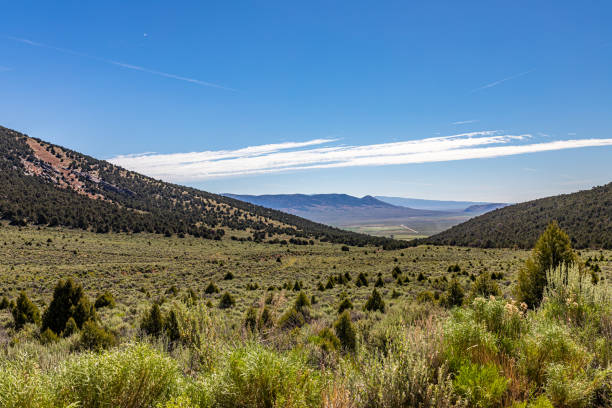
(304, 201)
(339, 209)
(585, 215)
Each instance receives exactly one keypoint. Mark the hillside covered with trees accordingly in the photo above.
(588, 214)
(45, 184)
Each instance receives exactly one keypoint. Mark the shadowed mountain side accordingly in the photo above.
(588, 214)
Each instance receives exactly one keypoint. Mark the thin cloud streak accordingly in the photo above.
(465, 122)
(501, 81)
(309, 155)
(120, 64)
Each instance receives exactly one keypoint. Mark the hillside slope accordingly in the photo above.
(586, 215)
(45, 184)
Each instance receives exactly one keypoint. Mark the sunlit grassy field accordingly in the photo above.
(141, 267)
(489, 352)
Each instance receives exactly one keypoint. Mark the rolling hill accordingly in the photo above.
(45, 184)
(585, 215)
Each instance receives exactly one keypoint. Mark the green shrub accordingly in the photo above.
(265, 319)
(48, 336)
(152, 322)
(466, 339)
(297, 286)
(566, 389)
(24, 312)
(504, 319)
(361, 280)
(328, 341)
(375, 302)
(71, 328)
(226, 301)
(255, 377)
(228, 276)
(454, 294)
(345, 304)
(553, 249)
(346, 332)
(379, 283)
(301, 302)
(408, 373)
(171, 326)
(137, 376)
(104, 300)
(485, 286)
(23, 384)
(540, 402)
(572, 298)
(425, 297)
(95, 337)
(68, 301)
(4, 303)
(211, 288)
(548, 343)
(482, 386)
(291, 319)
(250, 320)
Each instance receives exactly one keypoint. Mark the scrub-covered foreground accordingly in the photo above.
(359, 339)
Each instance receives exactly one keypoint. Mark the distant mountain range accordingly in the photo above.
(585, 215)
(345, 210)
(439, 205)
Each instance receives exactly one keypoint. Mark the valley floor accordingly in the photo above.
(489, 352)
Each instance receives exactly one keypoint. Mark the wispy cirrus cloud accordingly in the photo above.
(324, 153)
(501, 81)
(120, 64)
(465, 122)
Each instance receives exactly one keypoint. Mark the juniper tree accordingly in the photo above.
(375, 302)
(553, 249)
(454, 294)
(345, 304)
(346, 332)
(24, 311)
(68, 301)
(485, 286)
(152, 322)
(226, 301)
(361, 280)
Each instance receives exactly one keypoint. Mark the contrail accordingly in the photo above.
(120, 64)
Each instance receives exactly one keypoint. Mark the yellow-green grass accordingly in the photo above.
(139, 268)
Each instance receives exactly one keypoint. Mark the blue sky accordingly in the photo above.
(321, 97)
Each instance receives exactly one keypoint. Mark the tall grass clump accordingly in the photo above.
(134, 376)
(253, 376)
(401, 364)
(22, 383)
